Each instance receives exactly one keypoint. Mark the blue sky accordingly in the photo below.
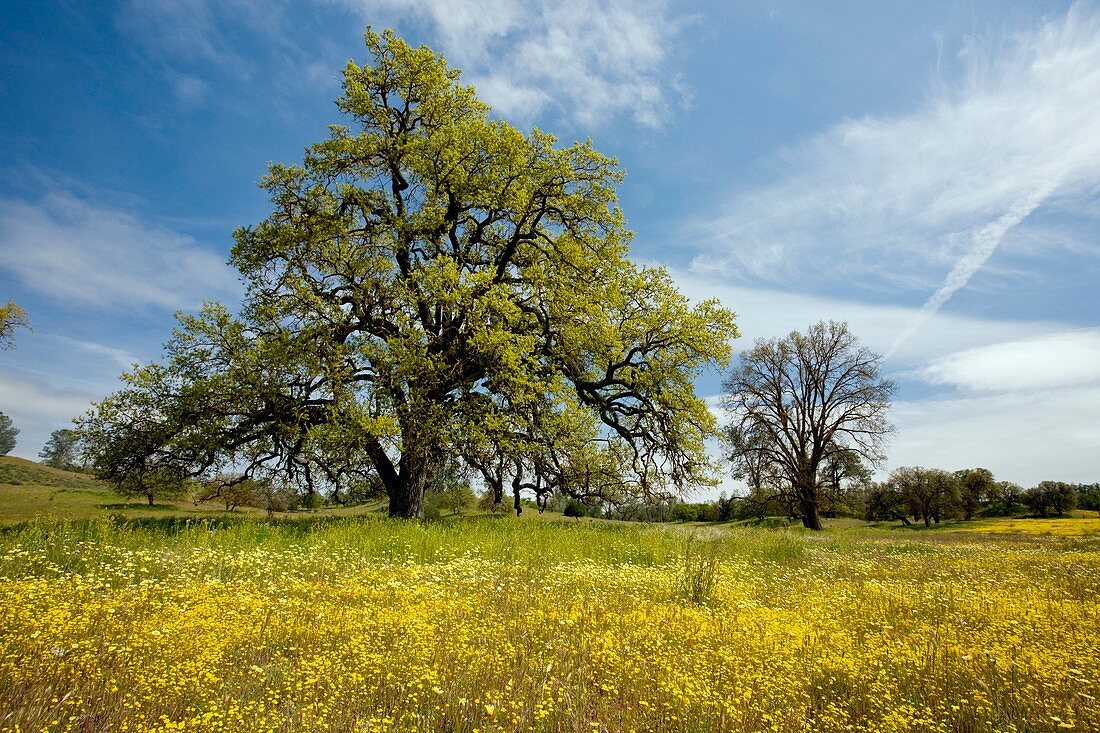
(929, 172)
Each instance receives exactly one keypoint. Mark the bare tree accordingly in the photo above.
(799, 403)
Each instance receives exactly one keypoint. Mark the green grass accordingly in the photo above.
(29, 491)
(858, 620)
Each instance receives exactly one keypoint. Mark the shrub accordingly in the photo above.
(698, 574)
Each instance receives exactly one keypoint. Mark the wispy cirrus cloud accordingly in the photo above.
(79, 252)
(591, 61)
(921, 201)
(773, 313)
(1048, 361)
(120, 357)
(38, 408)
(588, 61)
(203, 47)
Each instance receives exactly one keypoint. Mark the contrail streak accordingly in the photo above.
(986, 239)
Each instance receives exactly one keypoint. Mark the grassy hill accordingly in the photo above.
(30, 490)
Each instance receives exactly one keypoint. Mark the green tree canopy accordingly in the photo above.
(930, 494)
(11, 318)
(8, 431)
(1051, 497)
(977, 487)
(62, 450)
(431, 282)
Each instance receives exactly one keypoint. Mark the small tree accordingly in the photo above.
(976, 488)
(11, 318)
(574, 509)
(156, 482)
(487, 503)
(1008, 496)
(1050, 497)
(796, 403)
(8, 431)
(272, 498)
(726, 507)
(930, 494)
(885, 501)
(457, 497)
(844, 479)
(232, 492)
(449, 487)
(62, 450)
(1088, 497)
(685, 512)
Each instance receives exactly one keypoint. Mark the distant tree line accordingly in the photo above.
(910, 495)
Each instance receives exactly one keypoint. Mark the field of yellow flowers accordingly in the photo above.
(491, 624)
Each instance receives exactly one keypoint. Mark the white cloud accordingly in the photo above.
(38, 409)
(120, 357)
(252, 47)
(1054, 360)
(191, 91)
(591, 60)
(74, 251)
(921, 201)
(1021, 437)
(1029, 390)
(186, 32)
(771, 313)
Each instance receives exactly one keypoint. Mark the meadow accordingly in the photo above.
(502, 624)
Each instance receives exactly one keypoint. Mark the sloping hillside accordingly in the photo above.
(20, 471)
(29, 489)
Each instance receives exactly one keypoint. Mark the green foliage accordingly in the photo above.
(230, 491)
(698, 574)
(885, 501)
(457, 497)
(487, 502)
(1088, 497)
(11, 318)
(62, 450)
(699, 512)
(156, 482)
(274, 498)
(685, 512)
(8, 431)
(1006, 497)
(976, 488)
(929, 494)
(1050, 497)
(431, 282)
(575, 509)
(761, 502)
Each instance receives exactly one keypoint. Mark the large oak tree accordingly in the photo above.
(431, 283)
(802, 405)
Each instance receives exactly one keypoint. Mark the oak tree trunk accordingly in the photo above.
(407, 493)
(807, 501)
(810, 517)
